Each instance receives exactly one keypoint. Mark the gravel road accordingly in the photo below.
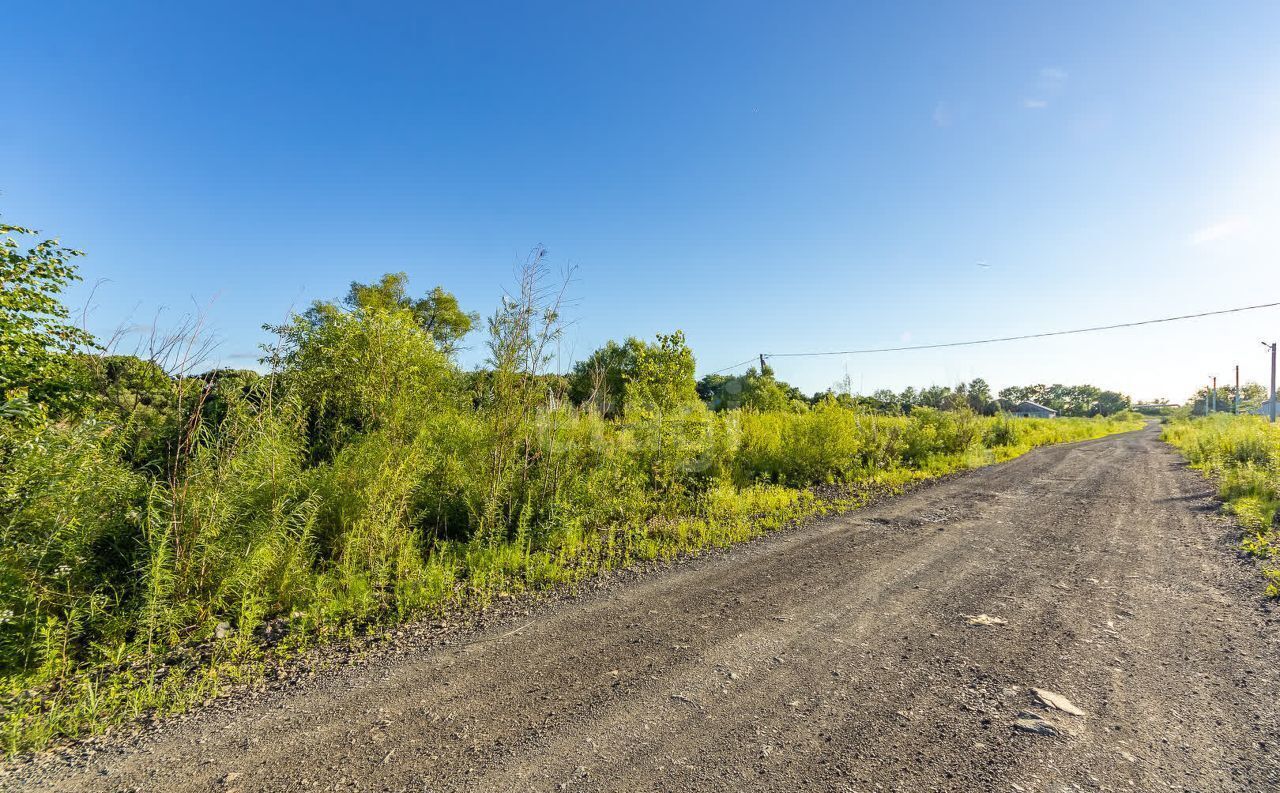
(836, 656)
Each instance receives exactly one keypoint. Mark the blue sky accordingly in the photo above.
(768, 178)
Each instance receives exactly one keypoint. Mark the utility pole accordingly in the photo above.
(1211, 398)
(1215, 393)
(1235, 406)
(1272, 347)
(762, 364)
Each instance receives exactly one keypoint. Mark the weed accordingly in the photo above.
(1243, 454)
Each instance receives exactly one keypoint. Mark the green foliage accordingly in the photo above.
(755, 390)
(149, 407)
(978, 397)
(1004, 431)
(35, 335)
(763, 391)
(521, 334)
(222, 389)
(661, 379)
(71, 515)
(1068, 400)
(437, 313)
(820, 446)
(1243, 454)
(1252, 395)
(635, 375)
(600, 381)
(353, 372)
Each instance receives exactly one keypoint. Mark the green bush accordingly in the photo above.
(71, 520)
(233, 538)
(1242, 453)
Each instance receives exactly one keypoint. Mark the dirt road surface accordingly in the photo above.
(836, 656)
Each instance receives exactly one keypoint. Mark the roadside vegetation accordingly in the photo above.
(1223, 400)
(1242, 454)
(165, 532)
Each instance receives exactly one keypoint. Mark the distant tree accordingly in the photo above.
(758, 390)
(832, 397)
(662, 378)
(885, 401)
(935, 396)
(1067, 400)
(1253, 395)
(1110, 402)
(600, 381)
(1059, 398)
(635, 374)
(908, 399)
(721, 391)
(1199, 402)
(35, 334)
(1013, 394)
(438, 312)
(957, 398)
(1083, 400)
(355, 371)
(979, 396)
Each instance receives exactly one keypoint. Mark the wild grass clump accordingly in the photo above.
(72, 520)
(1243, 454)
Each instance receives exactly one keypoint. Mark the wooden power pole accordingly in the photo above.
(1273, 382)
(1272, 347)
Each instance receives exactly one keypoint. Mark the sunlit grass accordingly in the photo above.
(1242, 453)
(252, 534)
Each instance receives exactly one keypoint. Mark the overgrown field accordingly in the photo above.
(1242, 453)
(164, 534)
(119, 582)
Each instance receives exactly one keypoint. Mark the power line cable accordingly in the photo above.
(999, 339)
(1022, 337)
(752, 359)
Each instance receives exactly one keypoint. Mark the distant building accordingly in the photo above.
(1265, 409)
(1030, 410)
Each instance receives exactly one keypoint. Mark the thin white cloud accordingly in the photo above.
(1049, 85)
(1220, 230)
(1052, 75)
(942, 115)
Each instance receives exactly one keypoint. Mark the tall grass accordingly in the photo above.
(126, 593)
(1243, 454)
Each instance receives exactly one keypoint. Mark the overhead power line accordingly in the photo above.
(996, 340)
(735, 366)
